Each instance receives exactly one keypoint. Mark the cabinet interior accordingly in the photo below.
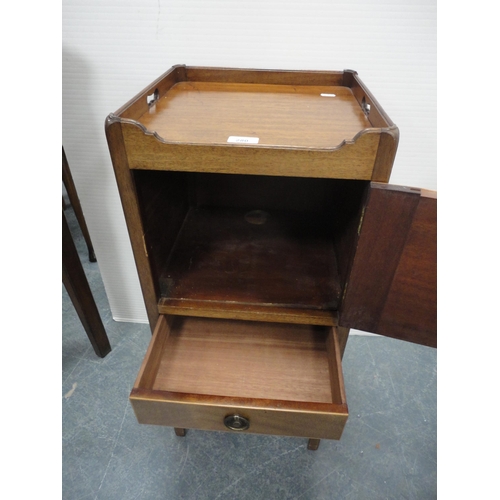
(249, 240)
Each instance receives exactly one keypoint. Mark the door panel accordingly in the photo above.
(392, 284)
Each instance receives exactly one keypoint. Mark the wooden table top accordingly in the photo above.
(276, 115)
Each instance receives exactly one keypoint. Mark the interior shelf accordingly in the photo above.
(278, 258)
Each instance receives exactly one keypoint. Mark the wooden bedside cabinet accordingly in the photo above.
(263, 228)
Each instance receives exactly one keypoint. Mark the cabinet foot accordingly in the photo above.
(179, 431)
(313, 444)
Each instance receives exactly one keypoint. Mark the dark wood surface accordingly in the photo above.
(392, 284)
(389, 133)
(212, 245)
(75, 203)
(343, 335)
(249, 360)
(249, 312)
(271, 417)
(351, 160)
(410, 311)
(275, 258)
(163, 200)
(311, 215)
(313, 444)
(197, 356)
(278, 115)
(128, 196)
(264, 76)
(78, 289)
(301, 132)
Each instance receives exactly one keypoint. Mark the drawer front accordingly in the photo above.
(282, 422)
(242, 376)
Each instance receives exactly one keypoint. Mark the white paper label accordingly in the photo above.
(328, 95)
(243, 140)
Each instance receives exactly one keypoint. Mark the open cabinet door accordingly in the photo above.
(392, 285)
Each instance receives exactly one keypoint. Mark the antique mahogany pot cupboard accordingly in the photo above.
(264, 228)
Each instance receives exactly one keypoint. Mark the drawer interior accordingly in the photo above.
(244, 359)
(247, 240)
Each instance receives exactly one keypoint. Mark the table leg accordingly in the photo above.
(78, 289)
(75, 203)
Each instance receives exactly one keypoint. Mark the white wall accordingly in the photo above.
(112, 50)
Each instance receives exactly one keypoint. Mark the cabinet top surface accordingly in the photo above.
(274, 115)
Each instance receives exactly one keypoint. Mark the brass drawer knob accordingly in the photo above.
(236, 423)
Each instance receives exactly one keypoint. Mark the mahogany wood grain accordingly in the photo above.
(382, 234)
(334, 203)
(389, 133)
(241, 293)
(392, 284)
(311, 408)
(195, 110)
(78, 288)
(149, 368)
(343, 335)
(278, 115)
(248, 359)
(386, 154)
(266, 416)
(264, 76)
(209, 360)
(410, 311)
(249, 312)
(314, 210)
(335, 366)
(69, 184)
(163, 204)
(348, 208)
(286, 260)
(128, 196)
(138, 105)
(353, 160)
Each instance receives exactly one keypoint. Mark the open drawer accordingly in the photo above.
(242, 376)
